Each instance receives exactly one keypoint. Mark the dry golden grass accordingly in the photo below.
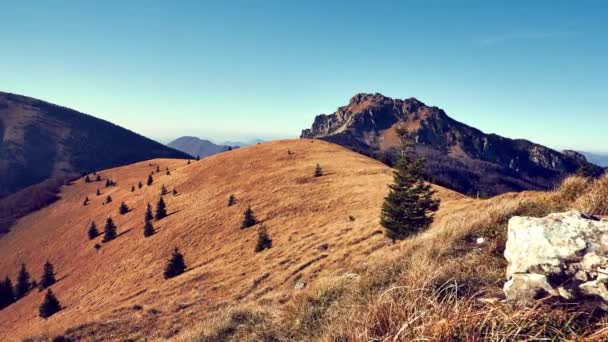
(320, 227)
(441, 286)
(595, 200)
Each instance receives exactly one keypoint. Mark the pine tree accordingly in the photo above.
(150, 180)
(123, 209)
(87, 179)
(7, 294)
(132, 188)
(49, 306)
(86, 201)
(174, 192)
(148, 228)
(231, 200)
(163, 190)
(157, 168)
(161, 209)
(318, 171)
(93, 232)
(109, 231)
(98, 193)
(409, 207)
(248, 218)
(264, 240)
(168, 173)
(23, 282)
(175, 265)
(48, 276)
(108, 183)
(98, 178)
(149, 215)
(139, 185)
(108, 199)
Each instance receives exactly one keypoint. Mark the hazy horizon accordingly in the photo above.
(244, 69)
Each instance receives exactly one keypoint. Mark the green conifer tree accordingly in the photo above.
(123, 209)
(409, 206)
(92, 232)
(175, 265)
(150, 180)
(149, 216)
(148, 228)
(23, 282)
(139, 185)
(98, 193)
(7, 293)
(161, 209)
(248, 218)
(264, 240)
(132, 188)
(108, 199)
(87, 179)
(49, 306)
(48, 276)
(109, 231)
(163, 190)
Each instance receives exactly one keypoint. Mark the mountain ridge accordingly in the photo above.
(459, 156)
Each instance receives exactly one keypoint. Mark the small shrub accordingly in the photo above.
(231, 200)
(318, 171)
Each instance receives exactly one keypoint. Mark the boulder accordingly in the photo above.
(563, 255)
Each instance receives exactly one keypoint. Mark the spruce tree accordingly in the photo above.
(86, 201)
(109, 231)
(23, 282)
(248, 218)
(87, 179)
(318, 171)
(163, 190)
(149, 216)
(49, 306)
(174, 192)
(93, 232)
(161, 209)
(231, 200)
(98, 178)
(7, 294)
(264, 240)
(123, 209)
(108, 199)
(139, 185)
(409, 206)
(132, 188)
(157, 168)
(175, 265)
(98, 193)
(148, 228)
(168, 173)
(108, 183)
(150, 180)
(48, 276)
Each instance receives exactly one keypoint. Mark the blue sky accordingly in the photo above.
(238, 69)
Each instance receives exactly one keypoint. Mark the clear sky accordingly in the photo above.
(237, 69)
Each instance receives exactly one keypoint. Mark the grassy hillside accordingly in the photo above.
(319, 226)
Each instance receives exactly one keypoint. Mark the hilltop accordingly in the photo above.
(458, 156)
(197, 147)
(319, 226)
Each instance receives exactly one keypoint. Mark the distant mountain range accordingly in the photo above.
(42, 145)
(600, 159)
(458, 156)
(202, 148)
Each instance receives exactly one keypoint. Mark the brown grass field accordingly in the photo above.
(439, 285)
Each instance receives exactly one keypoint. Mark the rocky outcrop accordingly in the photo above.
(563, 255)
(458, 156)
